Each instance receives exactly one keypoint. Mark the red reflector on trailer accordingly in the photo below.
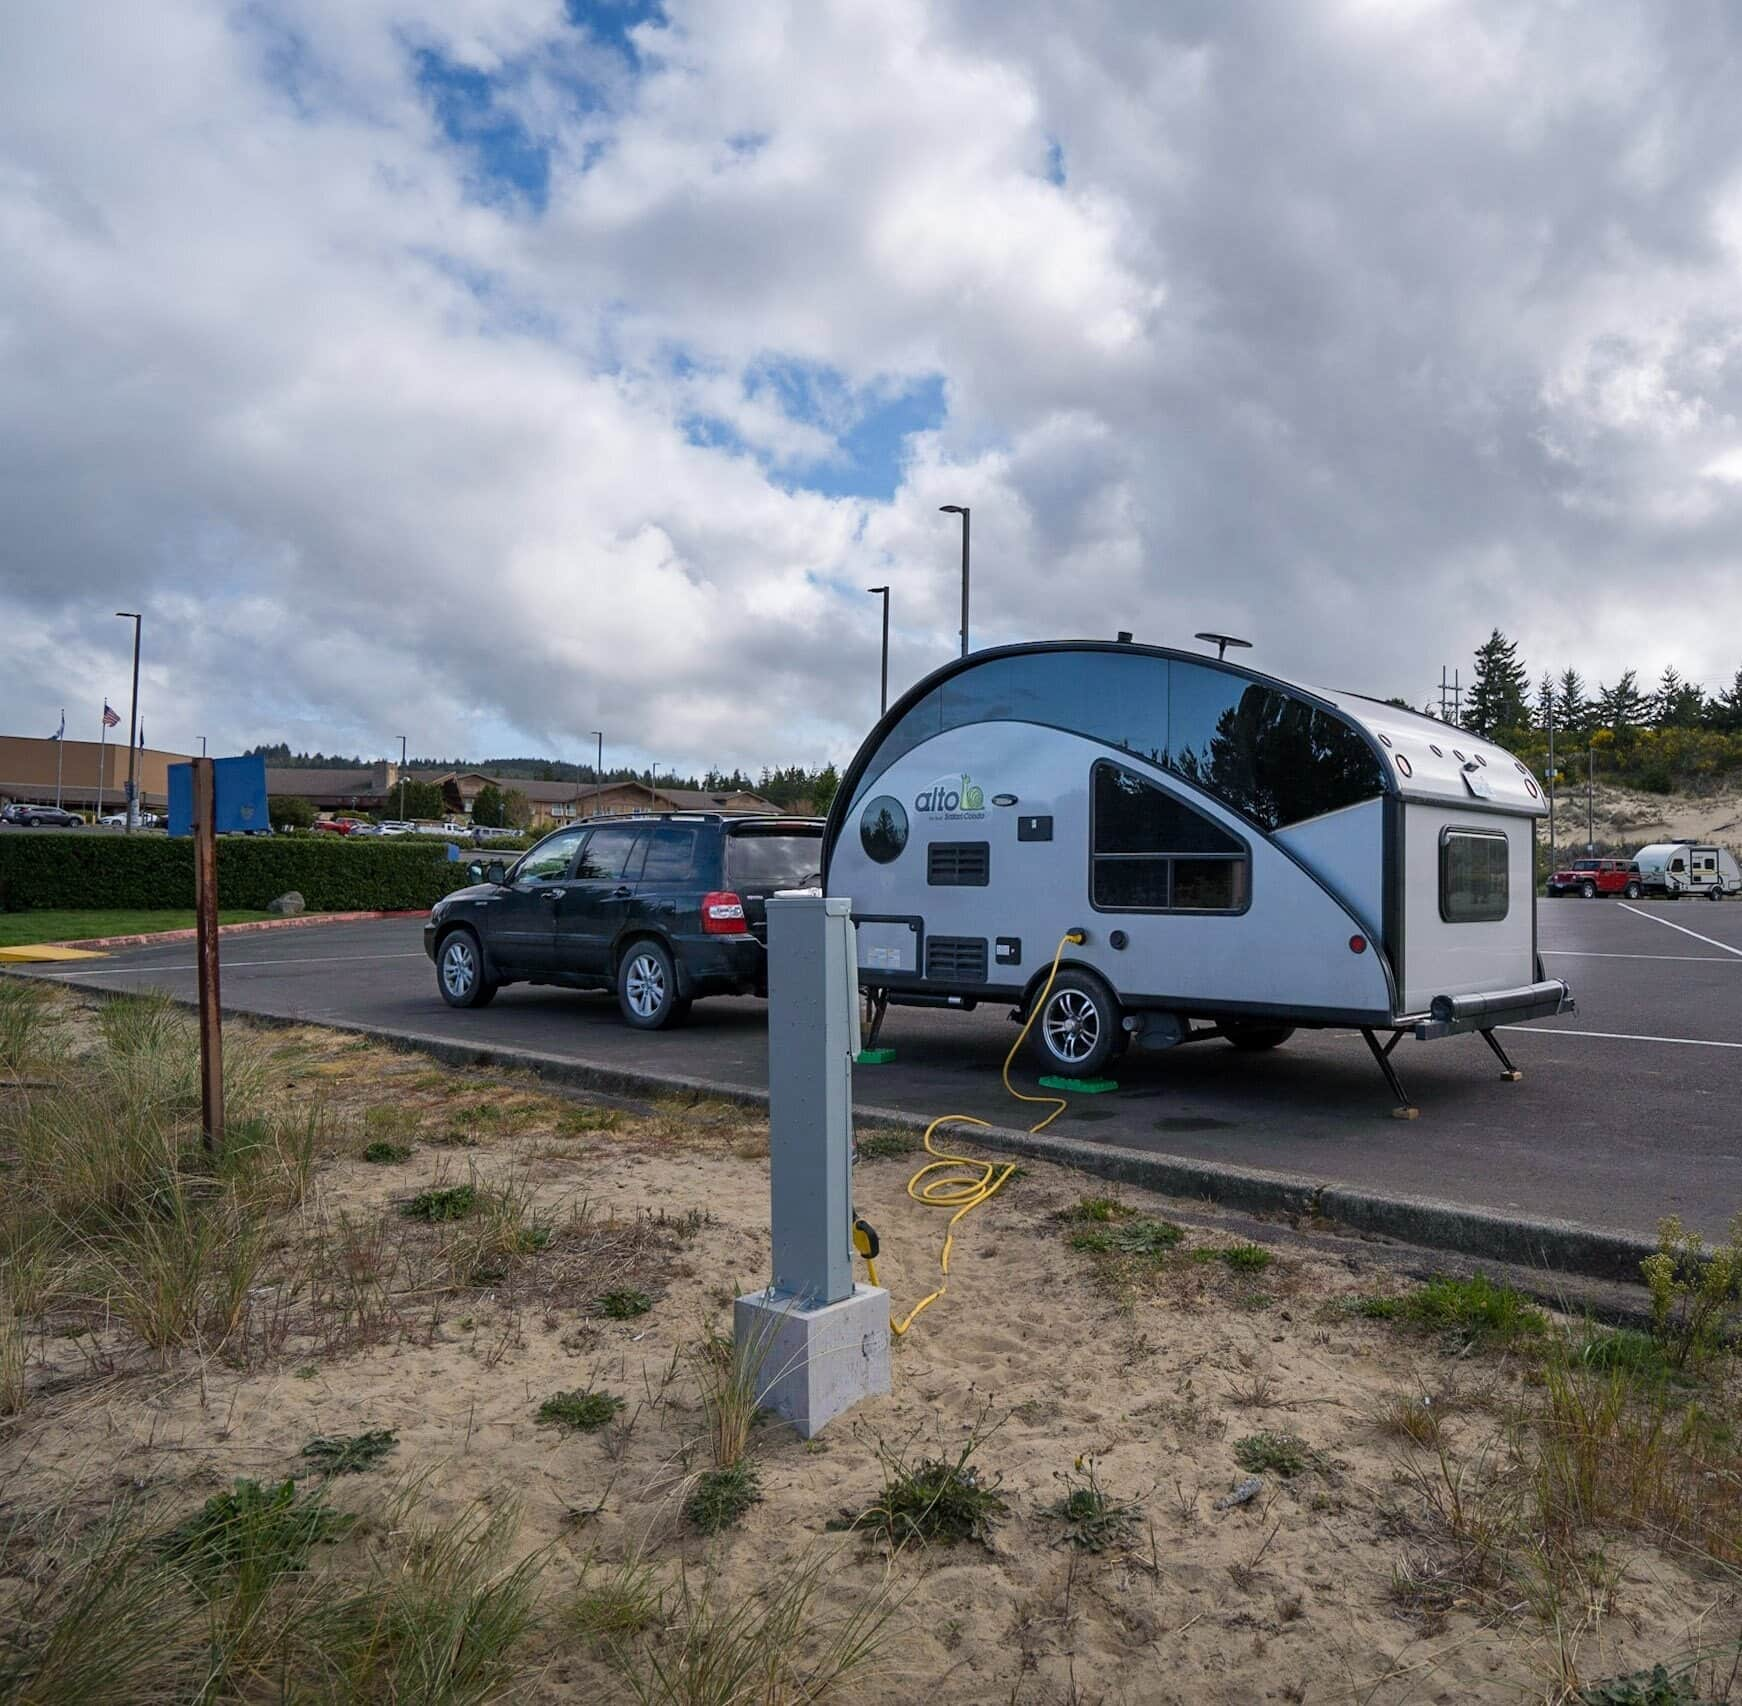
(1357, 944)
(723, 915)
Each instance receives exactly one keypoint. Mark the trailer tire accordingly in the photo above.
(1078, 1027)
(1245, 1034)
(1716, 891)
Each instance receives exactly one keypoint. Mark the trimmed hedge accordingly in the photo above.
(332, 874)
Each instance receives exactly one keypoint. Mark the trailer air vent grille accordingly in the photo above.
(959, 864)
(956, 959)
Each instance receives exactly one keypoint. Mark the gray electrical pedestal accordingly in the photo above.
(823, 1341)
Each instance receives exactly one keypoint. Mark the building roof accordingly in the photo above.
(320, 781)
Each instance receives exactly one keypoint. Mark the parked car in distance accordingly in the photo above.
(341, 825)
(396, 826)
(31, 817)
(1590, 878)
(662, 909)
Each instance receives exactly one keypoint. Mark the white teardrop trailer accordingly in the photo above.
(1243, 855)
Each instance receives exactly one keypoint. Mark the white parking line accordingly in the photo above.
(1590, 954)
(1614, 1036)
(227, 965)
(1710, 941)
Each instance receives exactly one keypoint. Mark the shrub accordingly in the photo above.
(722, 1496)
(453, 1203)
(1281, 1454)
(332, 873)
(933, 1499)
(290, 811)
(1692, 1290)
(582, 1410)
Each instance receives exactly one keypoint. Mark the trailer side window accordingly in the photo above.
(1473, 876)
(1154, 853)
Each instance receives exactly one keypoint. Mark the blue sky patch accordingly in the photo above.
(509, 162)
(870, 425)
(610, 21)
(1055, 160)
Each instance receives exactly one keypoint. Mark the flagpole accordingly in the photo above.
(102, 748)
(60, 751)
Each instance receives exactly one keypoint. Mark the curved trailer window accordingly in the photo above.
(1276, 757)
(1153, 853)
(1473, 876)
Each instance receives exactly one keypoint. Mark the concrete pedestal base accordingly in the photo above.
(816, 1362)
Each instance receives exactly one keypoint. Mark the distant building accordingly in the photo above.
(372, 790)
(27, 772)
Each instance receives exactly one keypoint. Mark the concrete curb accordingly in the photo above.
(147, 938)
(1540, 1246)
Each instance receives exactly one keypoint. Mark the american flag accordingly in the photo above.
(109, 717)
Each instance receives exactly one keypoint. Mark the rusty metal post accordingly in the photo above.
(206, 954)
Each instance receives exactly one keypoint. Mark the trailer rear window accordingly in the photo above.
(1154, 853)
(1473, 876)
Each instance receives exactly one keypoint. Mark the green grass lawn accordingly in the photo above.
(19, 928)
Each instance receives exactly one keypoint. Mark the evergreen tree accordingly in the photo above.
(1572, 703)
(1497, 696)
(1622, 706)
(487, 808)
(824, 787)
(1545, 703)
(1678, 704)
(1724, 711)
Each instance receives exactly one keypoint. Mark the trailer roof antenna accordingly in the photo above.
(1222, 642)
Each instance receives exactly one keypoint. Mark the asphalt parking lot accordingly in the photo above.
(1629, 1110)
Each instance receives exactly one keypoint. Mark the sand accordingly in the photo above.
(1035, 1349)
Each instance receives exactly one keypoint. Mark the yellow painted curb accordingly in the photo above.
(42, 952)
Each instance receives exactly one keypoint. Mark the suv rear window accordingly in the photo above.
(763, 861)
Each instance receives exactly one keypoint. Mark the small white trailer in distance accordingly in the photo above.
(1242, 855)
(1677, 868)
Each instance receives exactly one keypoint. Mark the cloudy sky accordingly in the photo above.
(499, 370)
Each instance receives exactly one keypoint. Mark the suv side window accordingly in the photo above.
(548, 862)
(610, 852)
(671, 854)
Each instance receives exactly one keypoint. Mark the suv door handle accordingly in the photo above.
(622, 892)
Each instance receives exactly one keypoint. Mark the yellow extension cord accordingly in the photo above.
(974, 1182)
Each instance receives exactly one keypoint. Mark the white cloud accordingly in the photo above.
(1342, 314)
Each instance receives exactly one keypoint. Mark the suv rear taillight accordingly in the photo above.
(723, 915)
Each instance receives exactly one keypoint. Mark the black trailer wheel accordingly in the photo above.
(1716, 891)
(460, 971)
(1588, 890)
(1079, 1026)
(1244, 1033)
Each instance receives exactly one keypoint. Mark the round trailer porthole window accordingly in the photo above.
(883, 829)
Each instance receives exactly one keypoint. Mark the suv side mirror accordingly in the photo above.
(495, 872)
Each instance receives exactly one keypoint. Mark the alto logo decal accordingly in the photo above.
(952, 796)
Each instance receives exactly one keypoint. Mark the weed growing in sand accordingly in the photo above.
(454, 1202)
(715, 1647)
(1141, 1235)
(1655, 1687)
(1692, 1290)
(623, 1305)
(251, 1535)
(1624, 1350)
(350, 1454)
(885, 1145)
(1096, 1211)
(722, 1496)
(386, 1154)
(932, 1499)
(730, 1374)
(1244, 1258)
(28, 1026)
(12, 1357)
(1410, 1416)
(584, 1410)
(625, 1601)
(571, 1122)
(1092, 1518)
(1270, 1453)
(1471, 1311)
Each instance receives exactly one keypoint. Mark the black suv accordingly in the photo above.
(661, 908)
(28, 817)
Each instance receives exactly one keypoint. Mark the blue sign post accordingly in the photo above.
(240, 784)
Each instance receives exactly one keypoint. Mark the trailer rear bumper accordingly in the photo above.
(1457, 1015)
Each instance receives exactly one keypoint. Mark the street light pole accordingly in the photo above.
(598, 768)
(133, 728)
(883, 696)
(202, 746)
(962, 511)
(1552, 857)
(402, 778)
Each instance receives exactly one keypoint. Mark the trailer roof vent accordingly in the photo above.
(1124, 636)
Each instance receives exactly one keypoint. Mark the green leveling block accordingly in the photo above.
(874, 1057)
(1082, 1086)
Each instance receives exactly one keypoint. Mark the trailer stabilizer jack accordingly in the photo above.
(1508, 1071)
(1405, 1109)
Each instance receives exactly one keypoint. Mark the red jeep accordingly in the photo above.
(1592, 877)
